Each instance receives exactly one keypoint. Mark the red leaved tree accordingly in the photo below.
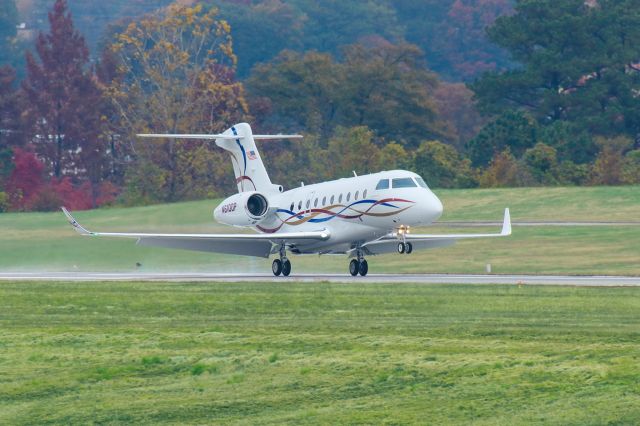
(28, 189)
(26, 180)
(63, 103)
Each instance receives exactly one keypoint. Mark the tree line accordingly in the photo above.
(563, 110)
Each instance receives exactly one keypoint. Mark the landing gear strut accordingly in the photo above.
(358, 265)
(281, 265)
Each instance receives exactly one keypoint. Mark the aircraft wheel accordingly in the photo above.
(409, 248)
(276, 267)
(401, 247)
(363, 267)
(286, 267)
(354, 268)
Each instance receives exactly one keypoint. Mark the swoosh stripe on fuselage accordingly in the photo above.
(313, 213)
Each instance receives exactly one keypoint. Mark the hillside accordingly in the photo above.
(303, 25)
(92, 17)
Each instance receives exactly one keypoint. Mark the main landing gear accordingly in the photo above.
(358, 265)
(281, 265)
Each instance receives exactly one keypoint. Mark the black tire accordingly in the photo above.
(363, 268)
(354, 268)
(276, 267)
(286, 268)
(401, 248)
(409, 248)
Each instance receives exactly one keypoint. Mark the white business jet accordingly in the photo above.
(357, 216)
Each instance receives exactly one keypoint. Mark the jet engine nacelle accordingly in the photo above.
(243, 209)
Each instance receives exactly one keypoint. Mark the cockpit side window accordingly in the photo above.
(403, 183)
(421, 182)
(383, 184)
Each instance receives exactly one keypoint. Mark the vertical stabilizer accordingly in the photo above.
(247, 164)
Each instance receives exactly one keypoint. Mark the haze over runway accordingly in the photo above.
(562, 280)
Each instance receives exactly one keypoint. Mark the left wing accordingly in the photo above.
(258, 245)
(389, 243)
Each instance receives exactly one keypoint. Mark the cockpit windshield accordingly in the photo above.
(421, 182)
(403, 183)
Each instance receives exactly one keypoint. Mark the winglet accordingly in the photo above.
(506, 224)
(79, 228)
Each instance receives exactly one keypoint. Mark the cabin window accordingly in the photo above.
(315, 203)
(299, 205)
(308, 203)
(348, 196)
(383, 184)
(355, 197)
(403, 183)
(332, 199)
(364, 194)
(340, 198)
(324, 201)
(292, 206)
(421, 182)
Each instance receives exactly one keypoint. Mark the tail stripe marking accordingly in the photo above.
(244, 154)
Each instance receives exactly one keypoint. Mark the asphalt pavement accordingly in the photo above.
(563, 280)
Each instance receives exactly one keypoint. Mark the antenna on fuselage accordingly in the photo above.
(354, 173)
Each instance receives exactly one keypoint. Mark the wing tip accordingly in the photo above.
(506, 224)
(73, 222)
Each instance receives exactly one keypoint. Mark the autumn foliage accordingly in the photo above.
(465, 92)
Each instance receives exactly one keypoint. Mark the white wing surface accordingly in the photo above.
(389, 243)
(258, 245)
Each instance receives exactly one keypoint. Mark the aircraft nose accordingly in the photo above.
(436, 207)
(431, 208)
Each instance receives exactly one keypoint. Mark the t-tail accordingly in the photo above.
(239, 141)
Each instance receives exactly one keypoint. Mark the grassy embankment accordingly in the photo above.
(323, 353)
(45, 241)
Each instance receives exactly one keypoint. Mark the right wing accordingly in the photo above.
(258, 245)
(389, 243)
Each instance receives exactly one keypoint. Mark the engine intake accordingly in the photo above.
(243, 209)
(257, 206)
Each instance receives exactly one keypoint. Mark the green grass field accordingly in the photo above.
(45, 241)
(138, 353)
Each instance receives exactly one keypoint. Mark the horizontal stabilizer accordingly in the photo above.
(214, 137)
(266, 137)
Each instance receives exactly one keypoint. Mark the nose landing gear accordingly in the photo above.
(403, 245)
(358, 265)
(281, 265)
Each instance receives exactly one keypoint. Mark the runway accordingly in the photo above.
(562, 280)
